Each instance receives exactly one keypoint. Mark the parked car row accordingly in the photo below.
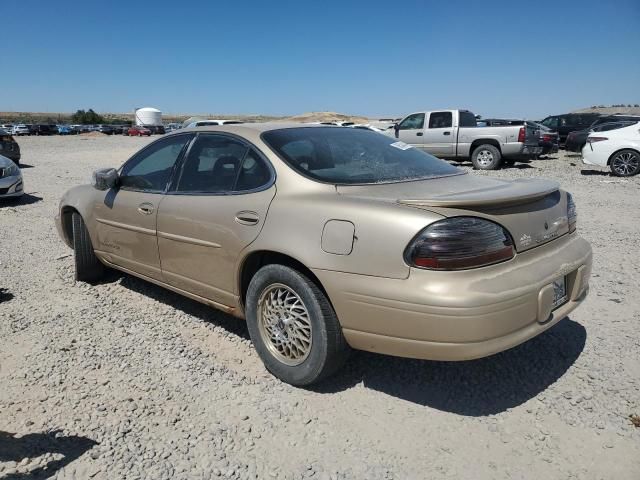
(23, 129)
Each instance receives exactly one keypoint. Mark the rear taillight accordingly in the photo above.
(572, 213)
(596, 139)
(459, 243)
(522, 135)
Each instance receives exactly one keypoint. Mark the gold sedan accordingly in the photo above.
(331, 238)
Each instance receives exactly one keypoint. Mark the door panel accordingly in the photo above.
(126, 230)
(217, 208)
(411, 130)
(201, 236)
(126, 216)
(439, 138)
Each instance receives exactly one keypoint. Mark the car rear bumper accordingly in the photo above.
(517, 151)
(593, 157)
(460, 315)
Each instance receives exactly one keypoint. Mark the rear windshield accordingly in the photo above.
(351, 156)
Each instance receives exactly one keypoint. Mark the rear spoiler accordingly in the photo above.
(512, 193)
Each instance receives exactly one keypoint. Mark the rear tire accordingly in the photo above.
(625, 163)
(293, 326)
(88, 267)
(486, 157)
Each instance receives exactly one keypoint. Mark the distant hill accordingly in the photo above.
(610, 110)
(38, 117)
(326, 117)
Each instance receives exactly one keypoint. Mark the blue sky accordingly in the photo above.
(497, 58)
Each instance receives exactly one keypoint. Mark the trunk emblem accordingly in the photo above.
(546, 226)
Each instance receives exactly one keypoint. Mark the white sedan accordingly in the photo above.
(10, 179)
(618, 149)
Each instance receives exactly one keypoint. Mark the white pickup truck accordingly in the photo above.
(453, 134)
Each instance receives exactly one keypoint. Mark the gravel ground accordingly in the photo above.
(127, 380)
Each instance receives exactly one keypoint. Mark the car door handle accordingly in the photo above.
(446, 133)
(419, 134)
(145, 208)
(246, 217)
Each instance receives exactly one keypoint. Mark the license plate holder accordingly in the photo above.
(560, 296)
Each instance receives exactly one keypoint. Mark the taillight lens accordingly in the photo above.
(522, 135)
(572, 213)
(459, 243)
(596, 139)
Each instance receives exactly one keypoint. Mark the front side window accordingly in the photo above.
(412, 122)
(551, 122)
(351, 156)
(150, 170)
(440, 120)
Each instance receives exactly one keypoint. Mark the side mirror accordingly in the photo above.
(396, 127)
(104, 179)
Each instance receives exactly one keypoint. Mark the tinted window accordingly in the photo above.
(412, 122)
(467, 119)
(254, 173)
(353, 156)
(151, 169)
(212, 165)
(551, 122)
(440, 120)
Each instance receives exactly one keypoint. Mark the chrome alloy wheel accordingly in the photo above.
(485, 158)
(625, 163)
(284, 324)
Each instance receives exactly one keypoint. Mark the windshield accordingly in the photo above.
(353, 156)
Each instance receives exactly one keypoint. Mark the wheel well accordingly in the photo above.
(256, 260)
(489, 141)
(618, 151)
(66, 218)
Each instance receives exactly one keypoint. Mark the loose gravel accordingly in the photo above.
(127, 380)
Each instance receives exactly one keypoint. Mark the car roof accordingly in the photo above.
(253, 127)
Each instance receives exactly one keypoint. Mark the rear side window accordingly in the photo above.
(440, 120)
(221, 164)
(467, 119)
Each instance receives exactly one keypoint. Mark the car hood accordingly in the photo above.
(533, 210)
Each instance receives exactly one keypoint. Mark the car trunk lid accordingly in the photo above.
(534, 211)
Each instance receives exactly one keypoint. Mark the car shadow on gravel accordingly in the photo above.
(472, 388)
(26, 199)
(5, 295)
(33, 445)
(184, 304)
(599, 173)
(25, 165)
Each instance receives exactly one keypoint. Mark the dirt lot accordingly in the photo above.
(127, 380)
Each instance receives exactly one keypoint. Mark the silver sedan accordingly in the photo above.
(11, 184)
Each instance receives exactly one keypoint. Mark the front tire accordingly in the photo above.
(88, 267)
(625, 163)
(293, 326)
(486, 157)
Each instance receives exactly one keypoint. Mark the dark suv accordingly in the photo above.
(42, 130)
(570, 122)
(9, 147)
